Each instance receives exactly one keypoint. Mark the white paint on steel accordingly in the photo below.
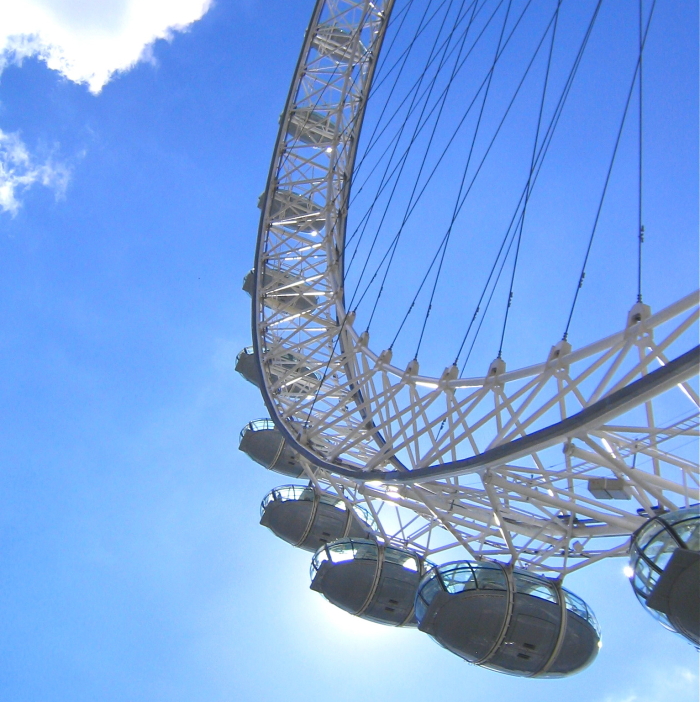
(367, 416)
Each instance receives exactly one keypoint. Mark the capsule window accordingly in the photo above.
(689, 533)
(333, 502)
(648, 533)
(341, 552)
(465, 576)
(535, 587)
(514, 635)
(576, 605)
(392, 555)
(426, 593)
(653, 547)
(365, 550)
(288, 493)
(491, 577)
(644, 578)
(660, 548)
(458, 578)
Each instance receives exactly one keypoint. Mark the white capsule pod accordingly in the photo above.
(283, 292)
(368, 579)
(308, 518)
(261, 441)
(507, 620)
(247, 366)
(665, 562)
(287, 373)
(337, 43)
(311, 127)
(296, 212)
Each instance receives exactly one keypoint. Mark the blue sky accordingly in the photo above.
(133, 565)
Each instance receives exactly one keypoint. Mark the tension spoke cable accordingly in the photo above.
(386, 181)
(394, 244)
(461, 185)
(442, 155)
(411, 207)
(544, 149)
(464, 116)
(374, 139)
(383, 184)
(528, 187)
(607, 177)
(434, 79)
(395, 240)
(412, 141)
(640, 221)
(402, 59)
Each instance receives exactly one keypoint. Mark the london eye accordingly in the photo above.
(423, 150)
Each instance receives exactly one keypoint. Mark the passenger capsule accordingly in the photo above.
(665, 561)
(337, 43)
(509, 621)
(264, 443)
(247, 366)
(307, 518)
(311, 127)
(368, 579)
(298, 212)
(287, 372)
(283, 292)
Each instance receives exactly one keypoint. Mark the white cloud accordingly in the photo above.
(88, 41)
(18, 171)
(674, 685)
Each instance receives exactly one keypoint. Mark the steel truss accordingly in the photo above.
(550, 467)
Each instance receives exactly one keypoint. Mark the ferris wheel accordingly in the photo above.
(430, 498)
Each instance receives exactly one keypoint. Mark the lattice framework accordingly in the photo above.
(415, 450)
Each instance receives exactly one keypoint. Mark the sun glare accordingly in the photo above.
(338, 622)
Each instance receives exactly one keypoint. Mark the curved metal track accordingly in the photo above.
(471, 458)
